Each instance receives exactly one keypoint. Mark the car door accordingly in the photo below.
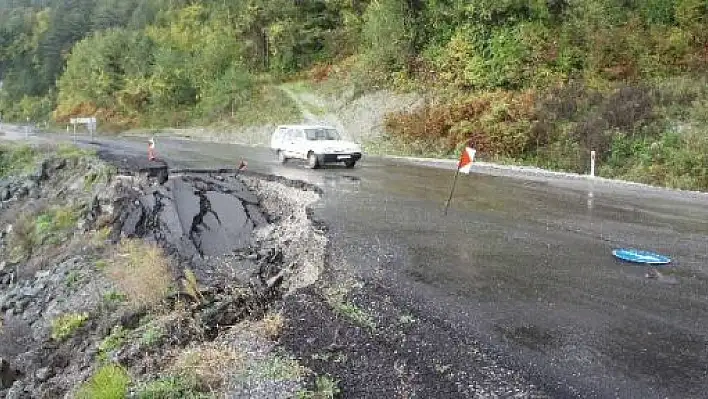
(299, 144)
(288, 143)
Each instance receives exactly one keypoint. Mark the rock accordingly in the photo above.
(29, 185)
(130, 225)
(130, 318)
(8, 375)
(41, 172)
(42, 274)
(17, 391)
(42, 374)
(59, 164)
(30, 292)
(108, 208)
(5, 194)
(21, 305)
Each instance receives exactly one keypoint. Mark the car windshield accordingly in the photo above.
(321, 134)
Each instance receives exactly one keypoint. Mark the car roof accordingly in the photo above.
(306, 126)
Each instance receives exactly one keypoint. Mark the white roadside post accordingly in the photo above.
(592, 163)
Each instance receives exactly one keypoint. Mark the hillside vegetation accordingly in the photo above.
(539, 82)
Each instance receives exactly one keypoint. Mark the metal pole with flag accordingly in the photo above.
(463, 166)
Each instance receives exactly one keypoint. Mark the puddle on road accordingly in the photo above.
(530, 336)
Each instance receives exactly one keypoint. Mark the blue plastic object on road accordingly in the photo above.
(639, 256)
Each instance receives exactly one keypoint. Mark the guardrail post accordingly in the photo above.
(592, 163)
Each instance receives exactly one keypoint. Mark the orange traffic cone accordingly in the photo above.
(151, 150)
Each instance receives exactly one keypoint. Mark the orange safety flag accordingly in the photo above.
(466, 159)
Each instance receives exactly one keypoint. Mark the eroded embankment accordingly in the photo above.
(109, 277)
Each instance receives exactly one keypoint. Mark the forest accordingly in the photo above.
(538, 82)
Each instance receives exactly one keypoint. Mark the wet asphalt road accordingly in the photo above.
(522, 265)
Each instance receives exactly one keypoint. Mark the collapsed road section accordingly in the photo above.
(214, 220)
(228, 228)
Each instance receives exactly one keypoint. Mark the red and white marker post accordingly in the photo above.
(464, 166)
(151, 150)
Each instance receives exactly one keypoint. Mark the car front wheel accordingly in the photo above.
(281, 157)
(350, 164)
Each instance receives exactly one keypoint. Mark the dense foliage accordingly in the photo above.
(540, 81)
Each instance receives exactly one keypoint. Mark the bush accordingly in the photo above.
(677, 160)
(65, 325)
(141, 272)
(109, 382)
(17, 159)
(499, 123)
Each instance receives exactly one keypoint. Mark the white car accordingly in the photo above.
(316, 144)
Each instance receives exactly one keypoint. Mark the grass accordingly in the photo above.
(268, 106)
(49, 227)
(272, 325)
(72, 279)
(101, 264)
(17, 159)
(65, 325)
(407, 319)
(113, 297)
(191, 285)
(102, 175)
(141, 272)
(302, 89)
(278, 368)
(22, 240)
(207, 366)
(112, 342)
(169, 388)
(153, 334)
(325, 388)
(69, 151)
(355, 314)
(109, 382)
